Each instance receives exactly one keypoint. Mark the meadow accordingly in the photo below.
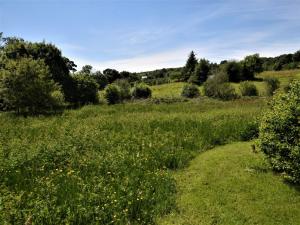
(139, 163)
(109, 164)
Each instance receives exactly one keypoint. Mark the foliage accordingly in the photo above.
(101, 79)
(248, 89)
(280, 133)
(113, 94)
(59, 66)
(125, 87)
(189, 67)
(272, 84)
(141, 91)
(108, 164)
(190, 91)
(215, 87)
(111, 75)
(26, 87)
(201, 72)
(251, 65)
(86, 89)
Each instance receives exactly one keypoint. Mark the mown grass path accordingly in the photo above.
(231, 185)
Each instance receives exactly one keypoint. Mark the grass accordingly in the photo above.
(170, 90)
(232, 185)
(174, 89)
(108, 164)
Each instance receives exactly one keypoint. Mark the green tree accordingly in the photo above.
(189, 67)
(111, 75)
(86, 89)
(201, 72)
(87, 69)
(59, 66)
(233, 70)
(101, 79)
(26, 87)
(251, 65)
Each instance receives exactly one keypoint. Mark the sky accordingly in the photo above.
(141, 35)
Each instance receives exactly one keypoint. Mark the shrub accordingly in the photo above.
(26, 86)
(112, 94)
(86, 89)
(272, 84)
(190, 91)
(58, 99)
(124, 88)
(141, 91)
(279, 133)
(215, 88)
(248, 89)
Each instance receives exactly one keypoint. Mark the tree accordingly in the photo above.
(101, 79)
(59, 66)
(111, 75)
(201, 72)
(233, 70)
(296, 56)
(251, 65)
(86, 89)
(26, 87)
(87, 69)
(189, 67)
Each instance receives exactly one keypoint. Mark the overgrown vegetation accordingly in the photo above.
(280, 133)
(107, 164)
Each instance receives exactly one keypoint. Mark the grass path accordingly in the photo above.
(230, 185)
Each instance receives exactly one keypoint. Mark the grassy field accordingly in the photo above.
(233, 185)
(108, 164)
(115, 164)
(174, 89)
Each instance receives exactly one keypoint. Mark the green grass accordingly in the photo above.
(167, 90)
(174, 89)
(233, 185)
(108, 164)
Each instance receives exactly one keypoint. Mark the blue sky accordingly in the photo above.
(138, 35)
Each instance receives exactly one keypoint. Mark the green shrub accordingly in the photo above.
(248, 89)
(86, 89)
(279, 133)
(124, 88)
(26, 86)
(215, 88)
(272, 84)
(190, 91)
(113, 94)
(141, 91)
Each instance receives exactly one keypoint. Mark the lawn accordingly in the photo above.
(233, 185)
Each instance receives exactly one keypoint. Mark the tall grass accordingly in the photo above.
(108, 164)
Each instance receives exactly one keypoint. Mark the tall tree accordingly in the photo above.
(201, 72)
(59, 66)
(189, 67)
(252, 64)
(87, 69)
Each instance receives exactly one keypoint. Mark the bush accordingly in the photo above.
(279, 133)
(216, 88)
(58, 99)
(124, 88)
(248, 89)
(86, 89)
(112, 94)
(272, 84)
(141, 91)
(190, 91)
(26, 86)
